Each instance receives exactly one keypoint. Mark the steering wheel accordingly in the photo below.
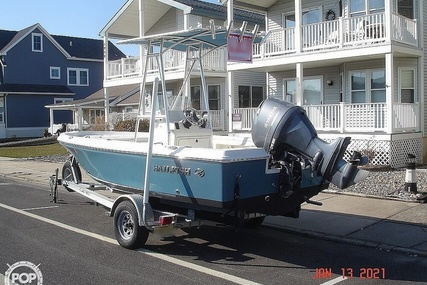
(194, 117)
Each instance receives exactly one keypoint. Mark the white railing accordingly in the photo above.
(246, 117)
(405, 30)
(364, 117)
(406, 117)
(343, 32)
(367, 117)
(123, 67)
(173, 61)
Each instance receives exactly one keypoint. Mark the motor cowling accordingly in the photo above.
(281, 127)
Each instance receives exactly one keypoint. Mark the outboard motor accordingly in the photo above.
(281, 127)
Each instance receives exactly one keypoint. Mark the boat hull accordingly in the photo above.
(198, 178)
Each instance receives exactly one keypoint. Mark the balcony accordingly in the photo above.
(174, 61)
(352, 118)
(338, 34)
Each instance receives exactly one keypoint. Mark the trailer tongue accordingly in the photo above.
(179, 176)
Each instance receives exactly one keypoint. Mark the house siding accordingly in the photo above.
(167, 23)
(20, 112)
(27, 67)
(241, 78)
(276, 11)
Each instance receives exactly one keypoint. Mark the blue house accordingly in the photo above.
(38, 69)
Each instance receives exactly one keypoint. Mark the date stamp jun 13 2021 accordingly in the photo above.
(350, 272)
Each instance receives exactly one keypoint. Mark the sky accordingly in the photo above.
(77, 18)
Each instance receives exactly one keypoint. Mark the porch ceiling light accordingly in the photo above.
(330, 82)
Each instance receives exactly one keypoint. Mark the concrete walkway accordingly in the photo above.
(380, 223)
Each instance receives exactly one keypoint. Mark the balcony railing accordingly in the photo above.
(173, 61)
(340, 33)
(345, 118)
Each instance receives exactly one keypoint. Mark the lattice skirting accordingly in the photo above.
(392, 152)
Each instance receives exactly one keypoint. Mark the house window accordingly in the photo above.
(405, 8)
(312, 88)
(378, 93)
(250, 96)
(78, 76)
(358, 86)
(37, 42)
(1, 117)
(61, 100)
(367, 86)
(407, 85)
(310, 16)
(364, 7)
(96, 116)
(55, 72)
(213, 91)
(195, 97)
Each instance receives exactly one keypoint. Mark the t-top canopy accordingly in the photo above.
(210, 37)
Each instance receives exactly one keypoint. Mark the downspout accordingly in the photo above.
(3, 65)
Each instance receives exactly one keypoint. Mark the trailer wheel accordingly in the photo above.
(126, 227)
(67, 172)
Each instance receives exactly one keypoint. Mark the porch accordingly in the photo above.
(342, 33)
(352, 118)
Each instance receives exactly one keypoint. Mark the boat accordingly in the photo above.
(180, 167)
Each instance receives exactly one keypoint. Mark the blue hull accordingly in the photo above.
(218, 183)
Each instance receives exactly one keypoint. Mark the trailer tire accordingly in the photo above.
(68, 173)
(127, 230)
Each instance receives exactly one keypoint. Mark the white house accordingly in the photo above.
(151, 17)
(356, 66)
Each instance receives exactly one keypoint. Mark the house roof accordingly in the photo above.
(220, 11)
(71, 47)
(255, 5)
(122, 25)
(116, 94)
(35, 89)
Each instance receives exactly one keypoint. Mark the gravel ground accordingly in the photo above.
(381, 182)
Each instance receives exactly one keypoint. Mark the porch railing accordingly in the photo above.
(173, 61)
(367, 117)
(343, 32)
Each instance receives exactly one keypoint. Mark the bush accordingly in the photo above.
(129, 126)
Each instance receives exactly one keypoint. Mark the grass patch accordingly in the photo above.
(32, 151)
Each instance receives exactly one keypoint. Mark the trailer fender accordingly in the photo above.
(137, 201)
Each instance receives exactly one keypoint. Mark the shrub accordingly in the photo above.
(129, 125)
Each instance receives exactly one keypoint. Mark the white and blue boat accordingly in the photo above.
(181, 167)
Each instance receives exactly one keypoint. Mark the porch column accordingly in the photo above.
(50, 119)
(106, 65)
(421, 70)
(229, 80)
(299, 86)
(142, 52)
(298, 26)
(230, 16)
(80, 118)
(388, 21)
(141, 34)
(390, 91)
(229, 93)
(107, 106)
